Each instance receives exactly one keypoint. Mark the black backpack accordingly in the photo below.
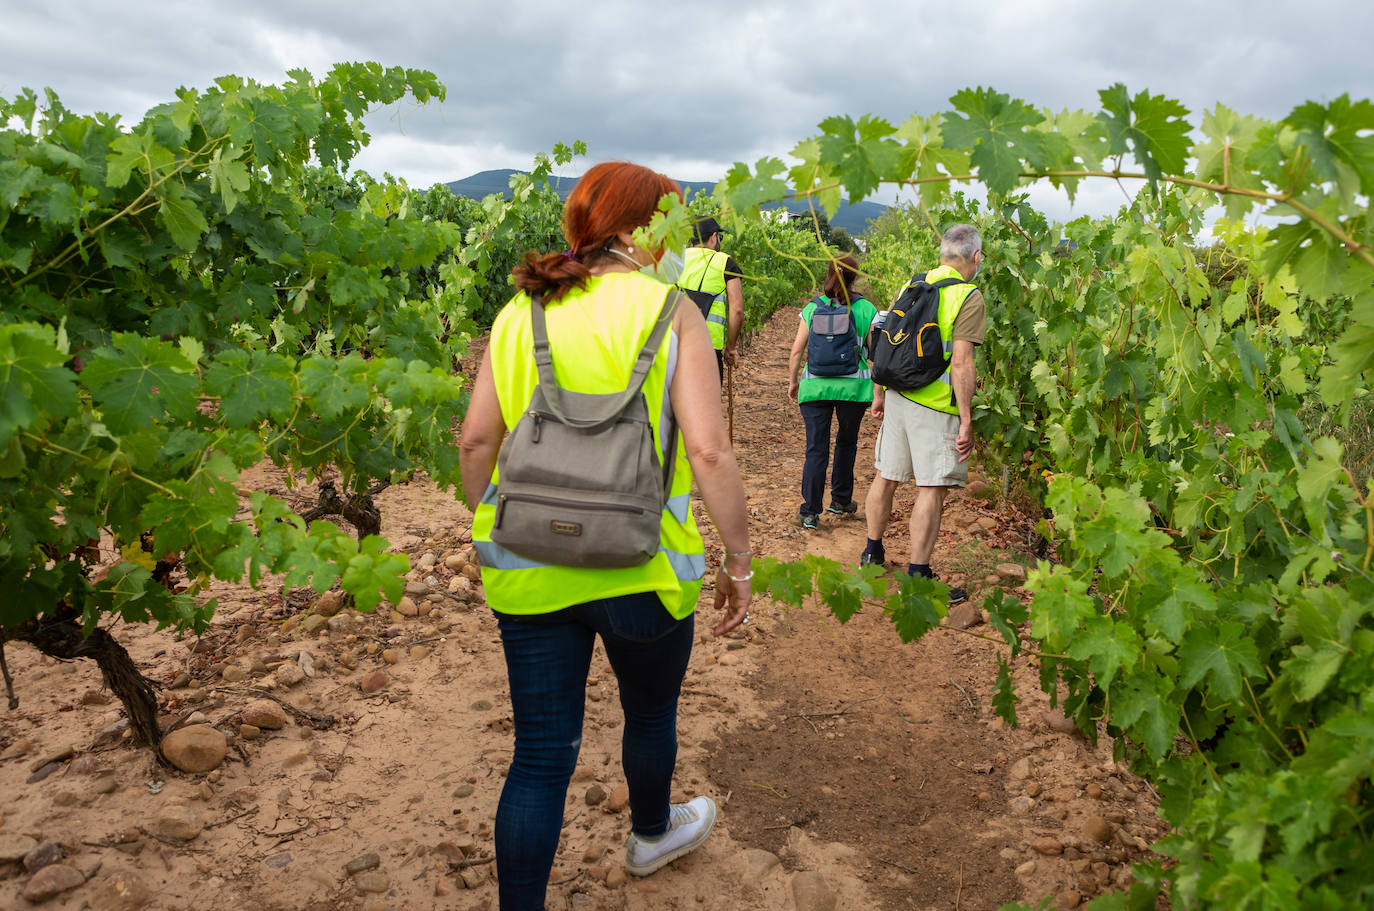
(907, 350)
(833, 349)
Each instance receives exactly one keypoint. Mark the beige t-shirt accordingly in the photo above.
(971, 323)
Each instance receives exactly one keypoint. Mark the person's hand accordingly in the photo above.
(734, 597)
(879, 397)
(729, 354)
(793, 386)
(963, 443)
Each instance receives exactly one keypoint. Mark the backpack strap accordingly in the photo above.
(603, 408)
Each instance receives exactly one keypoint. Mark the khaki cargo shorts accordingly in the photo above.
(917, 443)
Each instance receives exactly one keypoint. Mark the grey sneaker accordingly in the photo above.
(688, 825)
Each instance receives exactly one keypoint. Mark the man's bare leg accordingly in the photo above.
(878, 506)
(925, 522)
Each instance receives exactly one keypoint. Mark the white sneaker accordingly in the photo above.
(688, 825)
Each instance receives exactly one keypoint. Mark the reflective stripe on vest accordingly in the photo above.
(939, 394)
(704, 270)
(595, 335)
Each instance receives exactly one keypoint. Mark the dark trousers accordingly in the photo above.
(816, 416)
(547, 659)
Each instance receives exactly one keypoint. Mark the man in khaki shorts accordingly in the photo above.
(927, 433)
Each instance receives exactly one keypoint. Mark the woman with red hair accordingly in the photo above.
(600, 309)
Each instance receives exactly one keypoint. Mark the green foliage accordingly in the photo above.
(191, 294)
(1215, 603)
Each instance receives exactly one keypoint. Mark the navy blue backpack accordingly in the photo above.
(833, 349)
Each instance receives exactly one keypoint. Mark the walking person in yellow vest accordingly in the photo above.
(927, 433)
(714, 282)
(598, 318)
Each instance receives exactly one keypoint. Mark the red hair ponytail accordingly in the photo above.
(611, 198)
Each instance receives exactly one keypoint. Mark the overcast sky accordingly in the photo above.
(689, 88)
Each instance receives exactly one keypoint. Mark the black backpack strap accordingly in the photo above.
(609, 406)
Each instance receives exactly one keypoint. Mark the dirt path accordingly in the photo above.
(854, 772)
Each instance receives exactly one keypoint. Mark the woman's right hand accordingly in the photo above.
(735, 597)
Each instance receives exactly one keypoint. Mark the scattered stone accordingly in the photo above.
(85, 765)
(96, 697)
(1026, 869)
(391, 655)
(277, 861)
(463, 790)
(120, 892)
(759, 863)
(264, 714)
(964, 616)
(1093, 791)
(44, 855)
(481, 705)
(52, 881)
(373, 882)
(43, 772)
(416, 588)
(1047, 845)
(407, 607)
(988, 523)
(595, 794)
(1033, 789)
(455, 562)
(1022, 806)
(342, 623)
(177, 823)
(232, 673)
(810, 892)
(13, 848)
(362, 864)
(620, 798)
(419, 652)
(105, 784)
(17, 749)
(593, 853)
(250, 731)
(312, 624)
(615, 878)
(1059, 722)
(1098, 829)
(180, 681)
(443, 886)
(195, 748)
(290, 675)
(472, 572)
(1067, 900)
(1012, 572)
(472, 877)
(330, 603)
(1020, 769)
(374, 682)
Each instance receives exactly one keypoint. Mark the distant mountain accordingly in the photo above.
(853, 219)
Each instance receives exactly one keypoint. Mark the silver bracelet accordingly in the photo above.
(742, 553)
(737, 578)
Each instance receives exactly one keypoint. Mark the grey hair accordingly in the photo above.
(960, 243)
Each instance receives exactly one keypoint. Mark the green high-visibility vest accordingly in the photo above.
(595, 334)
(704, 274)
(939, 394)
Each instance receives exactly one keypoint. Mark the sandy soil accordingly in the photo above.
(853, 772)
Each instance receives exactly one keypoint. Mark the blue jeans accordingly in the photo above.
(816, 417)
(547, 659)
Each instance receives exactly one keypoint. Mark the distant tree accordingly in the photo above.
(840, 239)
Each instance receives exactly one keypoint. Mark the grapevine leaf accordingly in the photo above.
(1337, 140)
(789, 583)
(182, 217)
(1005, 614)
(1107, 647)
(993, 127)
(1223, 655)
(373, 572)
(1150, 127)
(917, 606)
(860, 154)
(843, 589)
(251, 386)
(1142, 708)
(33, 383)
(138, 380)
(745, 192)
(1004, 699)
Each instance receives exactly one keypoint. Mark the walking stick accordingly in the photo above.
(730, 398)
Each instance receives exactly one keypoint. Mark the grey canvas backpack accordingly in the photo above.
(581, 481)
